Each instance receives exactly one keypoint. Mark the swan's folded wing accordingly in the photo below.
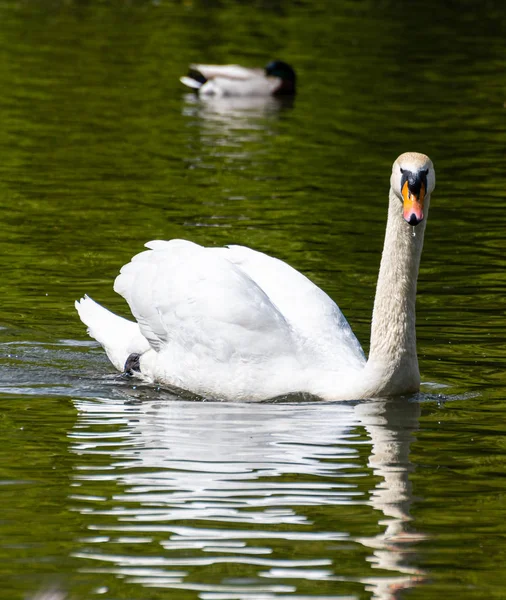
(226, 71)
(310, 311)
(195, 299)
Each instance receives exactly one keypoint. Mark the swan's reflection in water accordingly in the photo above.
(391, 425)
(253, 501)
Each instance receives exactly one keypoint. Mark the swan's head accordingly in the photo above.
(413, 179)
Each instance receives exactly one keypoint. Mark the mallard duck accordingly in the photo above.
(235, 324)
(277, 78)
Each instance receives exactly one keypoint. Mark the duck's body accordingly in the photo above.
(235, 324)
(276, 78)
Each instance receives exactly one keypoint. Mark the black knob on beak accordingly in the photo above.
(414, 220)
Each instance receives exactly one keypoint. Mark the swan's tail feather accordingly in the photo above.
(118, 336)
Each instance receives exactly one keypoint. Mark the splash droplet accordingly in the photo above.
(413, 232)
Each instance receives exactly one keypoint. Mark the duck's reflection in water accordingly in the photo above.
(220, 109)
(275, 493)
(236, 129)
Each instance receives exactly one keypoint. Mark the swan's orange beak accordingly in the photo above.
(413, 203)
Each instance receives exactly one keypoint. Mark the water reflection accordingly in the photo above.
(259, 499)
(391, 425)
(233, 129)
(232, 110)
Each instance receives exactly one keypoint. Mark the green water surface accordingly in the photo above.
(111, 490)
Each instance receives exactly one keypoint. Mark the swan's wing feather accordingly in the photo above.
(145, 278)
(227, 71)
(184, 295)
(310, 311)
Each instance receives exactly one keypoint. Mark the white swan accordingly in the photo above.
(235, 324)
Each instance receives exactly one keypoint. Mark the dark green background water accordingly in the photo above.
(112, 491)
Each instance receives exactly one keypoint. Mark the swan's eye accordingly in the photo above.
(403, 170)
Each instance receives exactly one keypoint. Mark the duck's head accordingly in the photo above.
(413, 179)
(284, 72)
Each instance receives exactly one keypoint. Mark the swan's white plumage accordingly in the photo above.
(233, 323)
(119, 337)
(316, 318)
(234, 318)
(181, 293)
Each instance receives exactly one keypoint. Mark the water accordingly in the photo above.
(112, 490)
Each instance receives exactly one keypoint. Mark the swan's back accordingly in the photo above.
(327, 336)
(213, 313)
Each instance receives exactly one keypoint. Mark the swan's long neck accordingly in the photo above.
(393, 364)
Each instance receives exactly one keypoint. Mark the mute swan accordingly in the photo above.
(235, 324)
(277, 78)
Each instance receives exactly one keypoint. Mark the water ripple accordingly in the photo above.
(251, 489)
